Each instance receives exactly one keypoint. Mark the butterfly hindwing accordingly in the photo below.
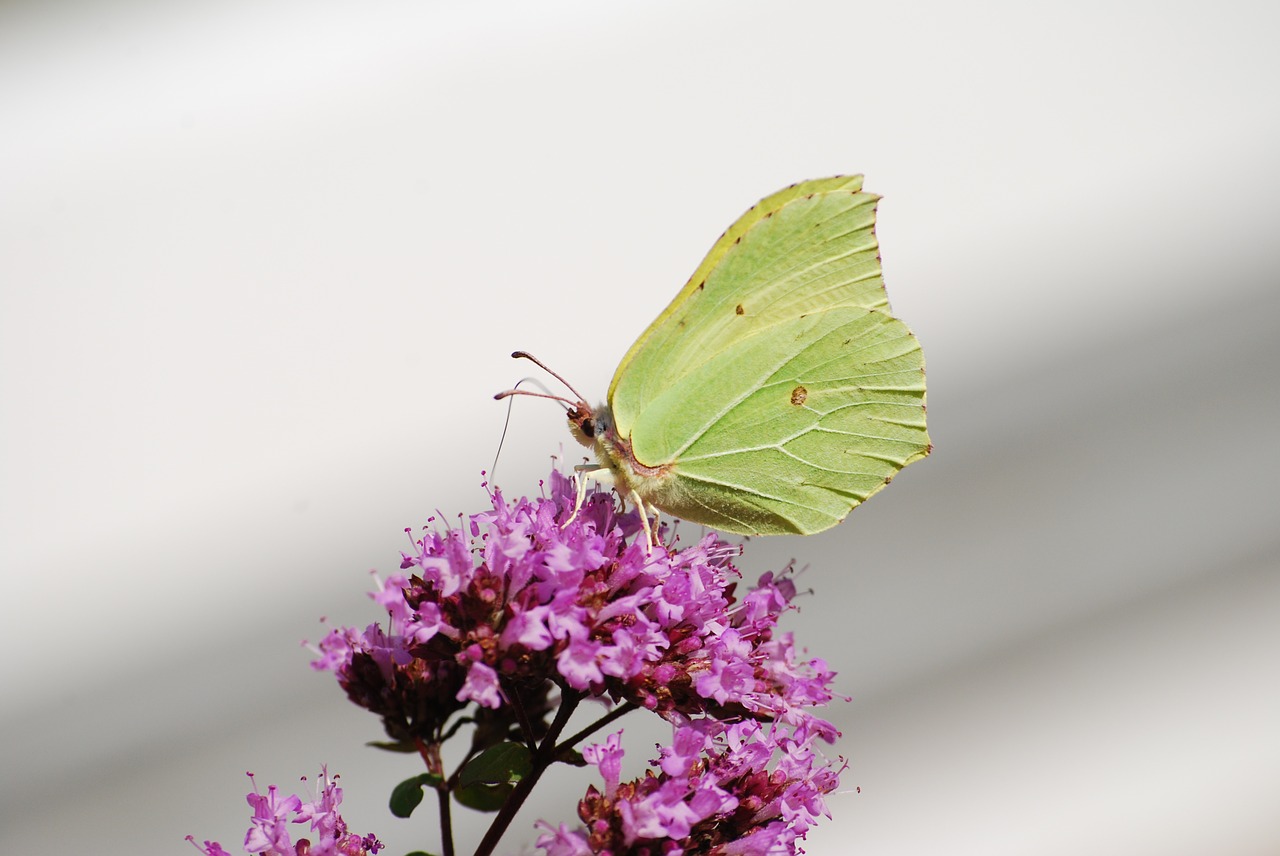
(768, 439)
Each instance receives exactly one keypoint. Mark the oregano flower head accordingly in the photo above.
(271, 830)
(503, 624)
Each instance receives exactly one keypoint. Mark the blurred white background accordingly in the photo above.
(262, 264)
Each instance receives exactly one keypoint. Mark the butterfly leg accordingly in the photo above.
(649, 539)
(580, 473)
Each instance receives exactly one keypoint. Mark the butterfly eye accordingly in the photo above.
(583, 421)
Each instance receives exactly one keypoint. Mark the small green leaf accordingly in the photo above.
(572, 757)
(406, 796)
(419, 853)
(500, 764)
(482, 797)
(405, 747)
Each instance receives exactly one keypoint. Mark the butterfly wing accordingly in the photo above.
(776, 390)
(788, 429)
(808, 247)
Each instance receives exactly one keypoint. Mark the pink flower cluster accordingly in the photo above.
(529, 606)
(520, 600)
(272, 815)
(715, 792)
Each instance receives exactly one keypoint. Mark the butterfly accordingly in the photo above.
(776, 392)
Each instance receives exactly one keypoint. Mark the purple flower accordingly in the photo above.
(722, 788)
(528, 600)
(559, 841)
(211, 848)
(660, 629)
(270, 826)
(272, 815)
(608, 757)
(481, 686)
(579, 663)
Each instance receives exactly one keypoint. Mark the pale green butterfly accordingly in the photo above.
(776, 392)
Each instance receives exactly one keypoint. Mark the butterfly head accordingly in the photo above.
(588, 425)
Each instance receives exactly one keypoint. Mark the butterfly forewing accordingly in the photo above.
(806, 249)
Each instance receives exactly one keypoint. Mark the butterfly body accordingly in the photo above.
(776, 392)
(593, 427)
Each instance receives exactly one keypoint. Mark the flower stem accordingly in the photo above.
(446, 822)
(617, 713)
(522, 716)
(542, 759)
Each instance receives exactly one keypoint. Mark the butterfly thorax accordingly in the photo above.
(594, 428)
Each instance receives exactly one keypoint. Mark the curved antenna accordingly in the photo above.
(506, 423)
(568, 403)
(574, 408)
(525, 355)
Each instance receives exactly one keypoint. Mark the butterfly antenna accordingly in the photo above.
(509, 394)
(567, 403)
(506, 423)
(525, 355)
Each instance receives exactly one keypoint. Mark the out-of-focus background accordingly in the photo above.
(262, 264)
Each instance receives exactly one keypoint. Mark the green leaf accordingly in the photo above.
(419, 853)
(404, 747)
(500, 764)
(572, 757)
(482, 797)
(406, 796)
